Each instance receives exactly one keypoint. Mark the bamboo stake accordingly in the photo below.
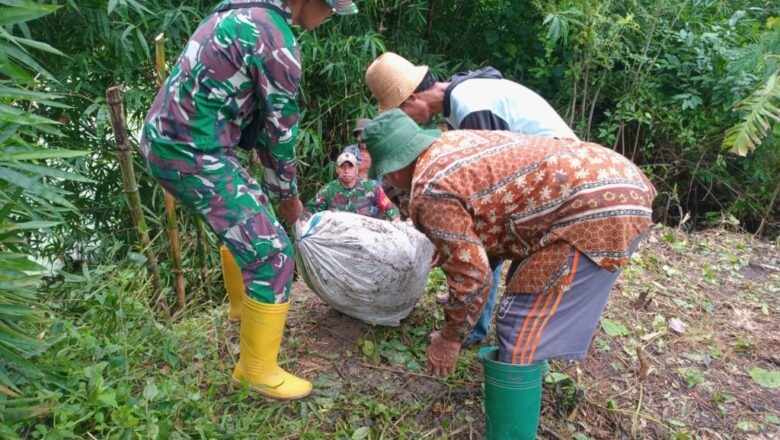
(202, 251)
(170, 202)
(114, 100)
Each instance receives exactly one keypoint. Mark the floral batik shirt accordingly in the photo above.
(530, 199)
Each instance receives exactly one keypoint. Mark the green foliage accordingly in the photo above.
(30, 201)
(656, 80)
(760, 109)
(765, 378)
(613, 328)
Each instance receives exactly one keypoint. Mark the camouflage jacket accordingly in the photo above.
(364, 198)
(235, 61)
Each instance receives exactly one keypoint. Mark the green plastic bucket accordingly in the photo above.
(513, 397)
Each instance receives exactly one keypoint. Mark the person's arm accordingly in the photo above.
(385, 205)
(463, 260)
(319, 202)
(277, 90)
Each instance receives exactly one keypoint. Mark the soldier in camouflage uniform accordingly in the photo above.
(242, 65)
(351, 193)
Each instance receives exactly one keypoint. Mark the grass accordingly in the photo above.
(120, 372)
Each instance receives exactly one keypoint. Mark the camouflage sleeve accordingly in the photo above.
(385, 205)
(319, 202)
(278, 91)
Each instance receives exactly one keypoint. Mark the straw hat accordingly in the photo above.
(392, 78)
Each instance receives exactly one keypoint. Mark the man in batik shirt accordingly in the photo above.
(350, 193)
(238, 78)
(478, 100)
(568, 214)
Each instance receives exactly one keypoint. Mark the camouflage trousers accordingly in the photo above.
(235, 207)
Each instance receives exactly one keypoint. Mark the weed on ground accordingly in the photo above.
(687, 349)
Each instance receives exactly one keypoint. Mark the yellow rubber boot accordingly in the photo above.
(262, 326)
(234, 283)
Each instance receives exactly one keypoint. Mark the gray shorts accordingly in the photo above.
(558, 323)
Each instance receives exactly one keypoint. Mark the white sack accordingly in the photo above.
(367, 268)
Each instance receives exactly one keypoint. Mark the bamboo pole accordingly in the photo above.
(114, 100)
(200, 231)
(170, 202)
(202, 251)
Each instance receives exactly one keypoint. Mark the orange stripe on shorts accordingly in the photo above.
(525, 324)
(526, 348)
(561, 292)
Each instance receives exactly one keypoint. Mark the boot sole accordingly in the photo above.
(268, 395)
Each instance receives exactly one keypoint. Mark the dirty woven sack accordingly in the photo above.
(367, 268)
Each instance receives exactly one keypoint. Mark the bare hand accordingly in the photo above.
(290, 210)
(442, 355)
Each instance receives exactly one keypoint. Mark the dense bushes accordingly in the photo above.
(654, 79)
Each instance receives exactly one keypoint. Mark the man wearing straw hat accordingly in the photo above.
(568, 214)
(236, 84)
(479, 100)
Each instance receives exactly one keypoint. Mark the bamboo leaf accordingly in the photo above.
(11, 261)
(139, 8)
(18, 312)
(13, 70)
(30, 11)
(16, 116)
(31, 225)
(111, 6)
(27, 345)
(143, 42)
(36, 45)
(10, 202)
(24, 58)
(23, 295)
(6, 380)
(19, 364)
(49, 172)
(42, 154)
(17, 93)
(34, 187)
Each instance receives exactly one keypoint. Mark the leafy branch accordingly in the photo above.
(760, 109)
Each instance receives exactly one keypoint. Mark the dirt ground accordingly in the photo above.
(687, 339)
